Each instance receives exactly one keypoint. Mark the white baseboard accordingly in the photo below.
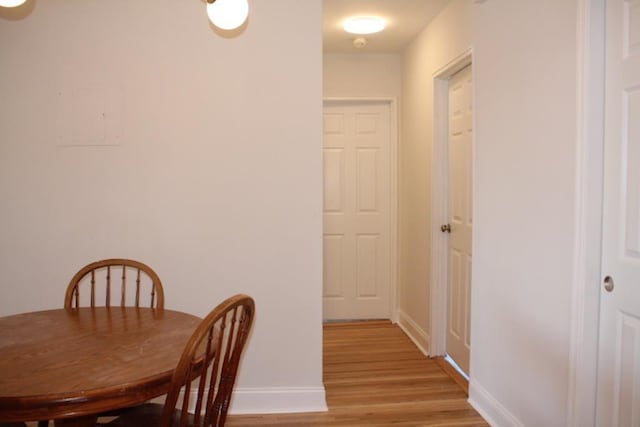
(278, 400)
(490, 409)
(414, 332)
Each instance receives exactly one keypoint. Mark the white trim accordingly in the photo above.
(490, 408)
(393, 211)
(394, 196)
(278, 400)
(588, 214)
(419, 337)
(439, 206)
(455, 65)
(274, 400)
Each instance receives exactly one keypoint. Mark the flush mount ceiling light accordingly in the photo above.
(364, 25)
(11, 3)
(227, 14)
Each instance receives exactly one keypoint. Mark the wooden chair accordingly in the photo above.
(124, 281)
(206, 372)
(111, 271)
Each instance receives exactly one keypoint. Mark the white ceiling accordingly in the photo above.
(405, 19)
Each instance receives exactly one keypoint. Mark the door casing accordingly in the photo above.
(585, 290)
(439, 202)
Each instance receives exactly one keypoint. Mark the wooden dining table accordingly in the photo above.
(69, 365)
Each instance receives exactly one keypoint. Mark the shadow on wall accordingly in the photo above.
(230, 34)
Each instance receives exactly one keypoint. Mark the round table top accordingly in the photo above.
(65, 363)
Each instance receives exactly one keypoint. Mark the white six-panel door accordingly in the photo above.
(619, 353)
(356, 210)
(460, 152)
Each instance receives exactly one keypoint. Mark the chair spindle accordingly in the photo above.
(123, 288)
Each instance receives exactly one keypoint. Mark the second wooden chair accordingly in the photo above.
(209, 363)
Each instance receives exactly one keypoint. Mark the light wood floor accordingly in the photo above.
(375, 376)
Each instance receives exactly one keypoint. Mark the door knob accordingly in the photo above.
(445, 228)
(608, 284)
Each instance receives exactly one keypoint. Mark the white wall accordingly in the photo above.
(208, 166)
(525, 142)
(361, 75)
(447, 37)
(525, 70)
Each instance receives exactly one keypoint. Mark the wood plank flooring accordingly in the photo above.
(375, 376)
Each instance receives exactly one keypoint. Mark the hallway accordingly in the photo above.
(375, 376)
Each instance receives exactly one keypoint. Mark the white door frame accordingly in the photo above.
(393, 193)
(586, 285)
(439, 200)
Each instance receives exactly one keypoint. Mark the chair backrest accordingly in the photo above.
(209, 365)
(124, 281)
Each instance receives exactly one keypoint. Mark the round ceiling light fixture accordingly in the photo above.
(227, 14)
(364, 25)
(11, 3)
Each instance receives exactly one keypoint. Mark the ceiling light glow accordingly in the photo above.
(11, 3)
(364, 25)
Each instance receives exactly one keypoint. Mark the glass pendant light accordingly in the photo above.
(228, 14)
(11, 3)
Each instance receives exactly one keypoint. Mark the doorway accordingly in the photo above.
(359, 209)
(453, 213)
